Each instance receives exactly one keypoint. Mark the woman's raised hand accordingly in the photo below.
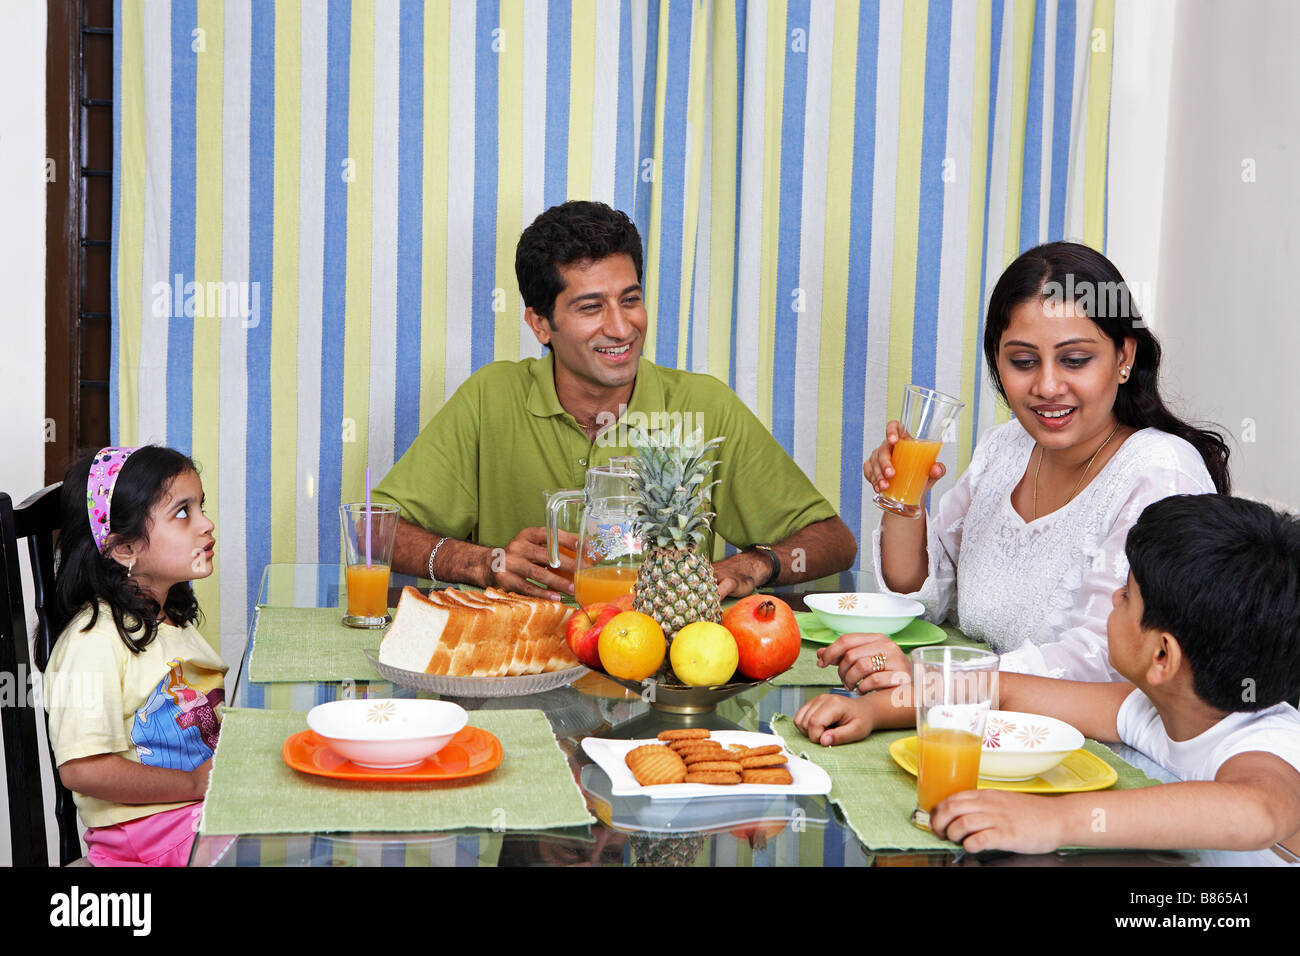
(878, 469)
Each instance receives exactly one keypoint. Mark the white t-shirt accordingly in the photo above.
(1039, 592)
(1274, 730)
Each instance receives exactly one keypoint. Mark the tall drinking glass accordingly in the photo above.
(928, 420)
(368, 537)
(954, 688)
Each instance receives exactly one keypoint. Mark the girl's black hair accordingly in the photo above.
(86, 577)
(1091, 281)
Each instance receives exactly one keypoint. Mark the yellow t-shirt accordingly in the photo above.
(160, 707)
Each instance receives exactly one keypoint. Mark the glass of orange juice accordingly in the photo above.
(954, 688)
(368, 536)
(927, 421)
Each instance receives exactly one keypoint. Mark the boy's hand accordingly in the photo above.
(999, 820)
(834, 719)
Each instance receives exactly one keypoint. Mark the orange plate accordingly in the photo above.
(469, 753)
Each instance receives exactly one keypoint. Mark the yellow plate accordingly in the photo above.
(1078, 772)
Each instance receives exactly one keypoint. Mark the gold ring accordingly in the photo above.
(877, 663)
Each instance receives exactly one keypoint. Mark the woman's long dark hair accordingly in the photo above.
(86, 577)
(1074, 271)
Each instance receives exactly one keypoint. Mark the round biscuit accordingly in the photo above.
(710, 777)
(699, 755)
(654, 765)
(767, 775)
(714, 766)
(767, 760)
(703, 748)
(684, 733)
(632, 754)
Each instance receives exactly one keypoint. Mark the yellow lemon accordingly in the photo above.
(631, 645)
(704, 654)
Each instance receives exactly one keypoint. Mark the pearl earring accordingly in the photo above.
(1123, 373)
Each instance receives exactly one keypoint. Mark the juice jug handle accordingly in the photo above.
(553, 506)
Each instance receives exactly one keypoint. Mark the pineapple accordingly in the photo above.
(675, 584)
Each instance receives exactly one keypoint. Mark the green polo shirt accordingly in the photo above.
(478, 469)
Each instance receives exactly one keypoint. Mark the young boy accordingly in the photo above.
(1208, 632)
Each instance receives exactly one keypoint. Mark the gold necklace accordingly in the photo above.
(1074, 490)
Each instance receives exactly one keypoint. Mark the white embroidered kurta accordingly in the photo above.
(1039, 592)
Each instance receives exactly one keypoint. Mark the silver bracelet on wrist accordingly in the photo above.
(433, 554)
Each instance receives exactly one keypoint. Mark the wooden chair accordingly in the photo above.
(36, 519)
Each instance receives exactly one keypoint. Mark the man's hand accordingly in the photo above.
(999, 820)
(526, 557)
(741, 574)
(834, 719)
(821, 548)
(853, 654)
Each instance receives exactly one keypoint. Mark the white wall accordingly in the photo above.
(1140, 89)
(1201, 87)
(22, 264)
(1228, 239)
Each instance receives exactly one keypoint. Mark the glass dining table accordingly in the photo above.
(629, 830)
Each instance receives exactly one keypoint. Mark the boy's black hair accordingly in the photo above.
(1222, 575)
(574, 231)
(86, 577)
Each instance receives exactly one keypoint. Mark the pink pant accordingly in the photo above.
(160, 839)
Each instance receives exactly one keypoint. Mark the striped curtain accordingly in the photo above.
(316, 206)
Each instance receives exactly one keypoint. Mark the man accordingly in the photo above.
(471, 484)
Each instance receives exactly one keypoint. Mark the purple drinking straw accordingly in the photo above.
(367, 517)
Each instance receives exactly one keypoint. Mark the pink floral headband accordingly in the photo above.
(104, 469)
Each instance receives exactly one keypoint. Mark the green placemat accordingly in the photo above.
(806, 673)
(877, 796)
(253, 790)
(309, 644)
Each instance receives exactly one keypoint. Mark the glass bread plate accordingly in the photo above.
(475, 686)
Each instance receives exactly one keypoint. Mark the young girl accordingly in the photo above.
(133, 688)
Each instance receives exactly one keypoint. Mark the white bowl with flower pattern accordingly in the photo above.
(1021, 746)
(387, 733)
(851, 612)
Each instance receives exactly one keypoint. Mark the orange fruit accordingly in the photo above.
(635, 645)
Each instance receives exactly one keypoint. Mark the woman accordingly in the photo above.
(1030, 542)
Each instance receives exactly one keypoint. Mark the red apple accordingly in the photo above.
(766, 633)
(583, 632)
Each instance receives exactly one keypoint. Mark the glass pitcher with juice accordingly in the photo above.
(609, 544)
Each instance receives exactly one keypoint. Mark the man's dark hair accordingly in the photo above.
(1222, 575)
(575, 231)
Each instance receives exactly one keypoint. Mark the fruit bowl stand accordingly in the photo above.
(682, 698)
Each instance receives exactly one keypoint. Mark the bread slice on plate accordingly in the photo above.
(472, 634)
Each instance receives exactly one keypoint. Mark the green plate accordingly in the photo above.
(917, 634)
